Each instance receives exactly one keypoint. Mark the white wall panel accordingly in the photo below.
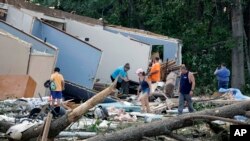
(40, 68)
(19, 19)
(14, 54)
(117, 50)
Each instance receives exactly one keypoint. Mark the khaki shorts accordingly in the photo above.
(153, 87)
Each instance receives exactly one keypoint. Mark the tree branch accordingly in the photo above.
(165, 127)
(63, 122)
(4, 126)
(177, 137)
(210, 118)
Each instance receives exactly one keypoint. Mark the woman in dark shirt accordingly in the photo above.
(143, 90)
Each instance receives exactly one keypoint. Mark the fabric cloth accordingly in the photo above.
(57, 78)
(182, 99)
(157, 76)
(235, 92)
(56, 94)
(185, 85)
(119, 71)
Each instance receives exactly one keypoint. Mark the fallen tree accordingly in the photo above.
(63, 122)
(166, 126)
(4, 126)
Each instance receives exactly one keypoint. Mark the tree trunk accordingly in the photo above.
(210, 25)
(238, 77)
(170, 84)
(80, 135)
(217, 129)
(166, 126)
(4, 126)
(63, 122)
(200, 9)
(247, 36)
(247, 55)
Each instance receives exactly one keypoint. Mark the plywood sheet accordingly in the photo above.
(16, 86)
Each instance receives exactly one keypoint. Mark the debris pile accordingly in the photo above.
(167, 67)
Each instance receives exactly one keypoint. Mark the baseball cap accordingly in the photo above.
(140, 70)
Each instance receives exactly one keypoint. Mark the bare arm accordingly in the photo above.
(138, 91)
(156, 71)
(192, 80)
(63, 85)
(149, 84)
(216, 71)
(124, 78)
(52, 77)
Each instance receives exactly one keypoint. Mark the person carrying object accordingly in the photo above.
(123, 80)
(155, 73)
(56, 87)
(143, 90)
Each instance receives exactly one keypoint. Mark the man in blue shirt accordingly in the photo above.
(222, 74)
(122, 83)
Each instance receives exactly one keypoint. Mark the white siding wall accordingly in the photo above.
(41, 67)
(117, 50)
(19, 19)
(15, 58)
(14, 54)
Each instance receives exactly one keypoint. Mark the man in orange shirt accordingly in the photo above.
(155, 73)
(56, 92)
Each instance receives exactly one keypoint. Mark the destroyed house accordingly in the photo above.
(30, 57)
(77, 59)
(171, 47)
(118, 45)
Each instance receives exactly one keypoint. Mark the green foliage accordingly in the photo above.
(199, 106)
(159, 49)
(94, 127)
(246, 89)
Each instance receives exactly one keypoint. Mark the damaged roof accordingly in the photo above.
(61, 14)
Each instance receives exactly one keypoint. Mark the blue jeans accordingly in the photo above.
(182, 99)
(223, 84)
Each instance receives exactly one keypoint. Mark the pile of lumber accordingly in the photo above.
(167, 67)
